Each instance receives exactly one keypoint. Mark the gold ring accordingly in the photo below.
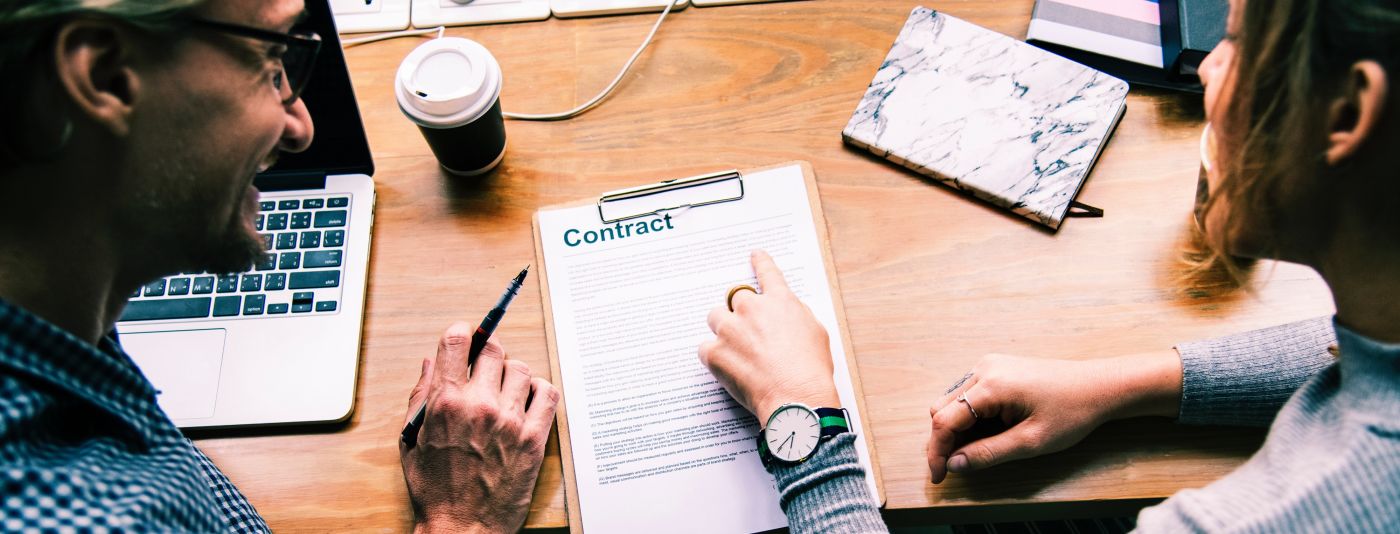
(742, 287)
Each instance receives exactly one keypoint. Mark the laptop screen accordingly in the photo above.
(339, 146)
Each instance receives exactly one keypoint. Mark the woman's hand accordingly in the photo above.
(1047, 405)
(770, 350)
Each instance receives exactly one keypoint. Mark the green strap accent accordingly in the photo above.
(834, 420)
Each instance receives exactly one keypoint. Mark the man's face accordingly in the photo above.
(212, 116)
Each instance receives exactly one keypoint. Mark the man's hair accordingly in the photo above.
(27, 28)
(1291, 58)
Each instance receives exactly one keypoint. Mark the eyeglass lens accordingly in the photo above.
(297, 64)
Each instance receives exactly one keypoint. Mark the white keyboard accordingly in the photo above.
(354, 16)
(587, 8)
(434, 13)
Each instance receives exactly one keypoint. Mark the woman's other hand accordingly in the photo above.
(1046, 405)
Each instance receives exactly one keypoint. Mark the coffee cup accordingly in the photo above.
(451, 88)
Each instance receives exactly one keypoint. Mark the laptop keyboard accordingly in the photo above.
(299, 275)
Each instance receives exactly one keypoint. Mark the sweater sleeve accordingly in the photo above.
(828, 493)
(1244, 379)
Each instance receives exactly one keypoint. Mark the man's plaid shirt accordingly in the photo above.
(85, 448)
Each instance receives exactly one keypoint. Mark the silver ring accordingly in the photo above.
(962, 397)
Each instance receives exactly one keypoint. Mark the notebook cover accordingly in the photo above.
(984, 113)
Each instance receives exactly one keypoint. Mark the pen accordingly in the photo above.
(483, 333)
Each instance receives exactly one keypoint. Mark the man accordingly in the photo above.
(130, 132)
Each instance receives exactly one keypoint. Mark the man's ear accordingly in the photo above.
(94, 66)
(1356, 113)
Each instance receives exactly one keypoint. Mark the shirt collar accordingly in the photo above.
(101, 375)
(1369, 365)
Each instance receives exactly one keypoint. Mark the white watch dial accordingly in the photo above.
(792, 433)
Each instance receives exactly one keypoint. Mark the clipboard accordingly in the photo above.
(607, 200)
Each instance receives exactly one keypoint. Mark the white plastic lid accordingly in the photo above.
(447, 82)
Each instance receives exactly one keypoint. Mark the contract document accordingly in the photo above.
(651, 441)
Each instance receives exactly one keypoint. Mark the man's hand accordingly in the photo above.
(770, 350)
(482, 441)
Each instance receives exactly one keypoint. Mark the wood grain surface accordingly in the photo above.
(932, 279)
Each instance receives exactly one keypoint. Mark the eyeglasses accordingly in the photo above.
(297, 61)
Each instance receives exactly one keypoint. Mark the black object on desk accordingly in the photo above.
(1190, 30)
(483, 333)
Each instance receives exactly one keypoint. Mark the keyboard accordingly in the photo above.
(299, 275)
(355, 16)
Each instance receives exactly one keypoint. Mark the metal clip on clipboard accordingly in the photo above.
(615, 197)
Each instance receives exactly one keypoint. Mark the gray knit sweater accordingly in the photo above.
(1331, 462)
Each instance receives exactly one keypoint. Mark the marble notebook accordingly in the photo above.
(987, 114)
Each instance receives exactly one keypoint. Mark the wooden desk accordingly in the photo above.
(931, 280)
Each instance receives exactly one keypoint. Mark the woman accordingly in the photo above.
(1301, 161)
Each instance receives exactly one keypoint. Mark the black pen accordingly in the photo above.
(483, 333)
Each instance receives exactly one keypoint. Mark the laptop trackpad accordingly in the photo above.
(183, 366)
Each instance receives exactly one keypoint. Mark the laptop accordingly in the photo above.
(278, 344)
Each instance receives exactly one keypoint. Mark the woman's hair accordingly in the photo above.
(27, 27)
(1292, 57)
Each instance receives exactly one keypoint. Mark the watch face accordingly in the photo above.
(792, 433)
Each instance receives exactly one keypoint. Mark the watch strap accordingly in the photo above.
(834, 421)
(764, 455)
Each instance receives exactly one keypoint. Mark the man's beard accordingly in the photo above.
(227, 248)
(181, 209)
(233, 252)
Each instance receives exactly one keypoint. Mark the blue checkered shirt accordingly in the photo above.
(85, 448)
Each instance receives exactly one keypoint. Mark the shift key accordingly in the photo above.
(313, 280)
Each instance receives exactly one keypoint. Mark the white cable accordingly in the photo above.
(589, 104)
(347, 43)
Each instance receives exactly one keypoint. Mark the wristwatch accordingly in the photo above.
(794, 431)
